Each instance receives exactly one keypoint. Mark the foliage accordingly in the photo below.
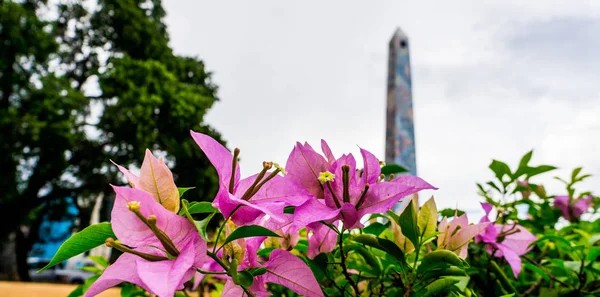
(270, 243)
(80, 86)
(562, 261)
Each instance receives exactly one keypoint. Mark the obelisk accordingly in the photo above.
(400, 134)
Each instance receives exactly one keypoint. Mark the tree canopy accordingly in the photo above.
(85, 82)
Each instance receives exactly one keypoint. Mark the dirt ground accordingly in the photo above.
(17, 289)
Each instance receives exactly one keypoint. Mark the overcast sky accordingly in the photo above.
(489, 81)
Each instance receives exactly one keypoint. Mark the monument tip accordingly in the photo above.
(399, 34)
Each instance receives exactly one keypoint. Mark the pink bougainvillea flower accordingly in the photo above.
(572, 209)
(283, 228)
(342, 192)
(505, 241)
(457, 233)
(160, 249)
(321, 239)
(156, 179)
(282, 268)
(255, 196)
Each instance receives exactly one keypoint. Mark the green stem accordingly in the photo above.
(417, 250)
(215, 250)
(502, 277)
(220, 262)
(343, 262)
(210, 272)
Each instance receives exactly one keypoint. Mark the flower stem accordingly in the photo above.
(343, 263)
(220, 262)
(221, 229)
(417, 250)
(210, 272)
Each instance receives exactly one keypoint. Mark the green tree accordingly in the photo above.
(52, 145)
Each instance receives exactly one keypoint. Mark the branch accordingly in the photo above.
(210, 272)
(220, 262)
(552, 277)
(344, 269)
(533, 287)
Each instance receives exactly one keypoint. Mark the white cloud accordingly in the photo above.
(487, 83)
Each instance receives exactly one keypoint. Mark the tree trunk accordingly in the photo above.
(24, 243)
(21, 252)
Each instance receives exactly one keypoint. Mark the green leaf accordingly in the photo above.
(382, 244)
(408, 223)
(539, 170)
(393, 216)
(427, 221)
(393, 169)
(442, 271)
(77, 292)
(574, 174)
(430, 238)
(374, 266)
(376, 228)
(502, 277)
(131, 290)
(450, 212)
(593, 253)
(537, 270)
(245, 278)
(93, 269)
(257, 271)
(183, 190)
(265, 253)
(82, 241)
(583, 177)
(593, 239)
(481, 189)
(201, 207)
(249, 231)
(200, 225)
(437, 286)
(555, 238)
(302, 247)
(289, 209)
(523, 165)
(440, 259)
(99, 260)
(377, 215)
(493, 185)
(500, 169)
(88, 282)
(525, 159)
